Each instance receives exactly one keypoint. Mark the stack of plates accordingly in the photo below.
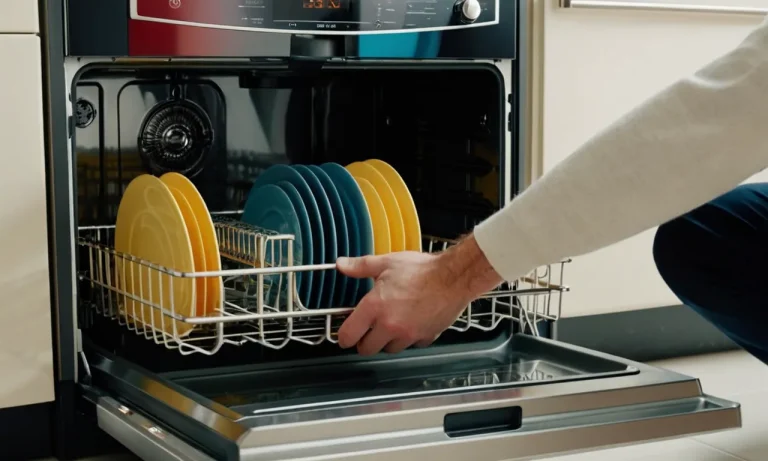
(166, 222)
(332, 211)
(392, 211)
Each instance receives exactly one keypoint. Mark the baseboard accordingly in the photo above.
(645, 335)
(26, 432)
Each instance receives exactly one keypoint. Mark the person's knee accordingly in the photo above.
(679, 242)
(668, 245)
(678, 249)
(689, 245)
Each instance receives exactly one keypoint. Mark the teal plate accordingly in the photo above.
(322, 291)
(316, 253)
(303, 279)
(358, 223)
(269, 207)
(342, 233)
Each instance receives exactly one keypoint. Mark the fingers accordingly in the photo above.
(374, 341)
(426, 343)
(360, 268)
(357, 324)
(361, 329)
(398, 345)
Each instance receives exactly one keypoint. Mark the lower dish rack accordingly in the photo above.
(260, 302)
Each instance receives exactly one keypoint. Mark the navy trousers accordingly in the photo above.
(715, 259)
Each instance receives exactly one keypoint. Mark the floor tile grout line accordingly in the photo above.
(725, 452)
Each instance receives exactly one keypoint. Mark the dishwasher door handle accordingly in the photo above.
(143, 437)
(472, 423)
(670, 7)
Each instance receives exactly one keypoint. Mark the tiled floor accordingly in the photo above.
(731, 375)
(735, 376)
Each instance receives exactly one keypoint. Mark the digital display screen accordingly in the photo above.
(323, 4)
(314, 10)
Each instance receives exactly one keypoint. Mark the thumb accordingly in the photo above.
(363, 267)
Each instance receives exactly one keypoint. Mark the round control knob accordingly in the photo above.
(469, 10)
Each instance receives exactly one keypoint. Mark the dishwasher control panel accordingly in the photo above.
(321, 16)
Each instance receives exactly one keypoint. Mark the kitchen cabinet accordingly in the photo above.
(590, 67)
(19, 17)
(26, 352)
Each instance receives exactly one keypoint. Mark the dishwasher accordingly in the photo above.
(223, 91)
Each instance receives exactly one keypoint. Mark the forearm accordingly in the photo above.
(692, 142)
(468, 270)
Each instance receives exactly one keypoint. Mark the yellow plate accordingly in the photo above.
(150, 226)
(381, 238)
(198, 249)
(388, 199)
(404, 201)
(214, 285)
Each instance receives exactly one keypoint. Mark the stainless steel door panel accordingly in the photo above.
(654, 394)
(140, 435)
(537, 438)
(426, 414)
(516, 421)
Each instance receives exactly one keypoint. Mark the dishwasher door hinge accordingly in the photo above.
(512, 116)
(81, 354)
(79, 340)
(70, 126)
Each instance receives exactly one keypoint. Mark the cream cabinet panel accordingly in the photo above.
(19, 17)
(595, 65)
(26, 352)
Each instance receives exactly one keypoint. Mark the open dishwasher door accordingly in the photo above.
(489, 389)
(528, 398)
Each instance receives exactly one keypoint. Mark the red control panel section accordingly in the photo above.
(217, 12)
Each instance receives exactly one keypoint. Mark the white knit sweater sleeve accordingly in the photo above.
(690, 143)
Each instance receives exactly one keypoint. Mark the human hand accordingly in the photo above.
(415, 297)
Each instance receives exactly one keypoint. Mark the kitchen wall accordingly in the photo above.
(589, 67)
(19, 17)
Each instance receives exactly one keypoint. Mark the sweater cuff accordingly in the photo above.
(507, 249)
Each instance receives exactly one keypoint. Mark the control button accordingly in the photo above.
(377, 24)
(468, 10)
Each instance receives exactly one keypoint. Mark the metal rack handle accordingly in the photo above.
(671, 7)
